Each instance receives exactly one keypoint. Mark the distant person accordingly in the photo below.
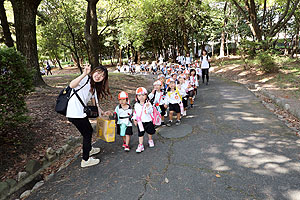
(188, 61)
(48, 68)
(119, 67)
(205, 65)
(43, 72)
(161, 59)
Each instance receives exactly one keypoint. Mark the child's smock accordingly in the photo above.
(124, 115)
(138, 109)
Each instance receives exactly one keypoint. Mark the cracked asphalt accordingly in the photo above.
(237, 149)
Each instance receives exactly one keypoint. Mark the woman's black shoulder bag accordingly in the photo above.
(63, 99)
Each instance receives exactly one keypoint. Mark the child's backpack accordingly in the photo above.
(156, 117)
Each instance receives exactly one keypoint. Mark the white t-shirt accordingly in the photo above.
(194, 81)
(204, 62)
(174, 97)
(138, 109)
(75, 108)
(188, 60)
(124, 113)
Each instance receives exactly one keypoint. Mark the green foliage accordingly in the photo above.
(267, 62)
(248, 48)
(15, 84)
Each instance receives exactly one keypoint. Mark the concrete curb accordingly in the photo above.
(281, 102)
(47, 161)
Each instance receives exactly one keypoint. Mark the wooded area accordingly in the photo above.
(93, 30)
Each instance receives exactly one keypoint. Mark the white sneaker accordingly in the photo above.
(90, 162)
(140, 148)
(94, 151)
(184, 113)
(151, 143)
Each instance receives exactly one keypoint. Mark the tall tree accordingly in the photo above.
(4, 23)
(25, 12)
(249, 10)
(91, 32)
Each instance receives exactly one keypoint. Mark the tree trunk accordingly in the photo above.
(58, 62)
(76, 61)
(222, 48)
(285, 44)
(4, 23)
(91, 32)
(227, 45)
(120, 56)
(25, 18)
(296, 43)
(138, 57)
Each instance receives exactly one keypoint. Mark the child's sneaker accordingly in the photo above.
(140, 148)
(162, 124)
(177, 122)
(90, 162)
(126, 148)
(169, 123)
(151, 143)
(124, 144)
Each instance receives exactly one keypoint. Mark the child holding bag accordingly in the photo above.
(142, 118)
(123, 113)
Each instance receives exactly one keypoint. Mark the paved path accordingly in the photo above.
(229, 134)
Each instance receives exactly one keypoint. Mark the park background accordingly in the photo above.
(250, 41)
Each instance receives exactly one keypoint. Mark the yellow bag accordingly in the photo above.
(106, 129)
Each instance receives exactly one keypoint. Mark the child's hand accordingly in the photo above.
(148, 104)
(135, 122)
(108, 113)
(166, 106)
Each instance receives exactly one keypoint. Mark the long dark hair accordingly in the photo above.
(102, 88)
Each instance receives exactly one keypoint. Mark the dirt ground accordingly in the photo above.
(284, 84)
(47, 128)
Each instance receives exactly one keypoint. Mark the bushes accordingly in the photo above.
(15, 84)
(267, 63)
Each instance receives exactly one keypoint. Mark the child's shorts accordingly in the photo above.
(148, 128)
(174, 107)
(163, 110)
(127, 132)
(191, 93)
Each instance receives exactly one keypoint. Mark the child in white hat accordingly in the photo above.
(157, 99)
(142, 118)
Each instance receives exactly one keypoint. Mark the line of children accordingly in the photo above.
(172, 94)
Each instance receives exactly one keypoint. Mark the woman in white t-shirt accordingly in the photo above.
(205, 64)
(94, 86)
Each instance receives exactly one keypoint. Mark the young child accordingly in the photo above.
(173, 99)
(157, 98)
(194, 81)
(184, 87)
(190, 88)
(142, 119)
(123, 118)
(164, 87)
